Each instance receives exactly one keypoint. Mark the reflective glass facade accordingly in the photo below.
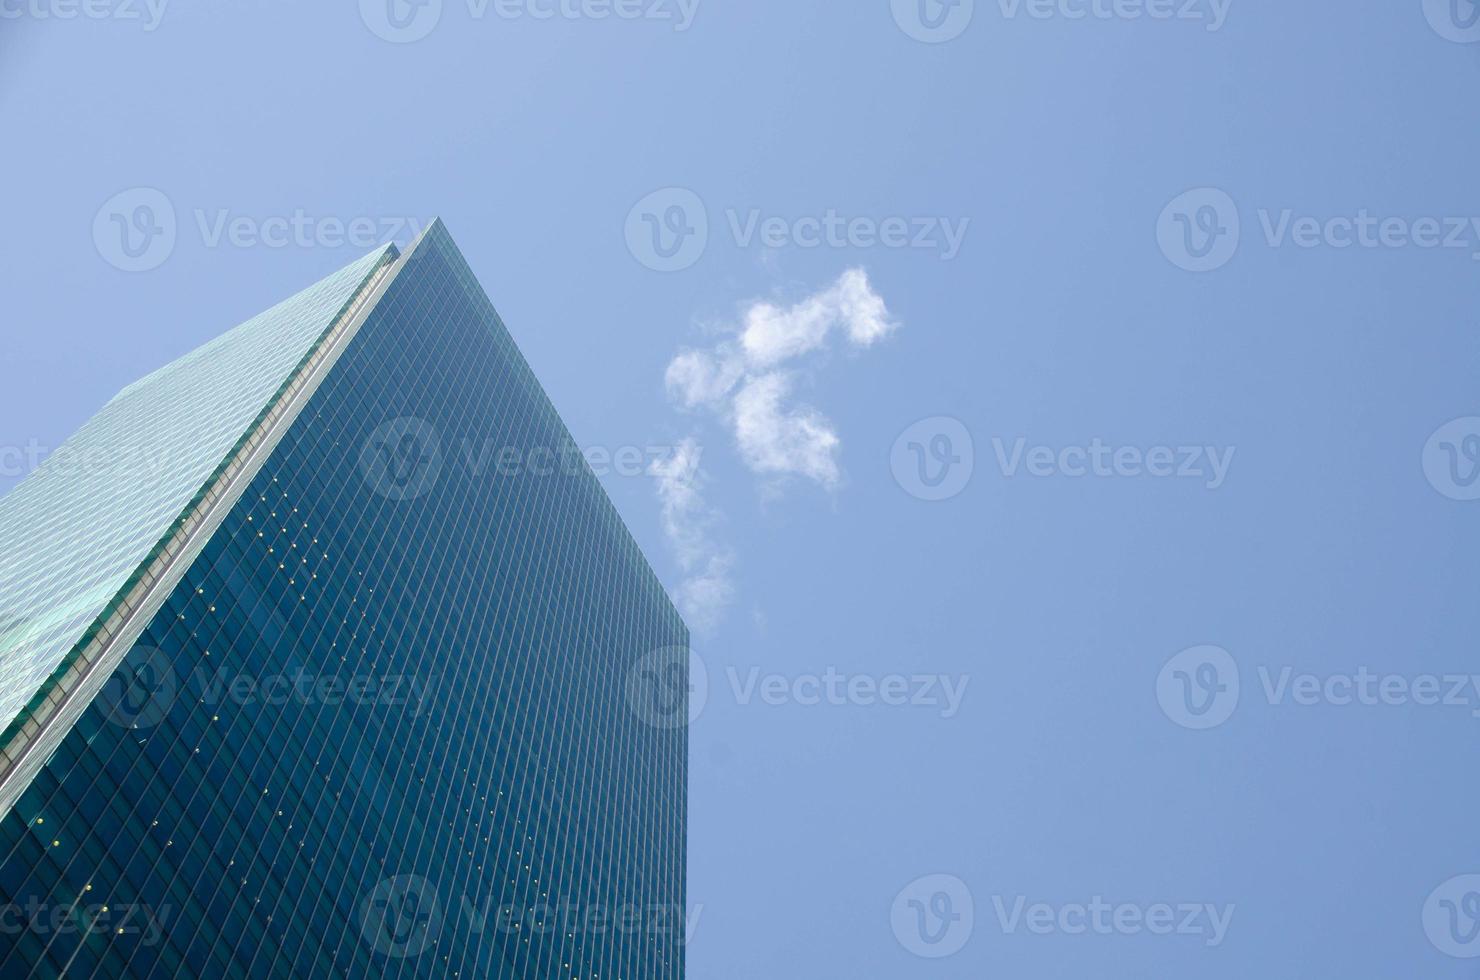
(73, 532)
(392, 721)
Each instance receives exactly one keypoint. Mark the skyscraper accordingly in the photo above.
(323, 653)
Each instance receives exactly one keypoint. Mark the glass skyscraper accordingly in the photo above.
(324, 654)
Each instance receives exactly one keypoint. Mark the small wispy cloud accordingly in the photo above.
(772, 334)
(777, 440)
(689, 524)
(741, 381)
(697, 377)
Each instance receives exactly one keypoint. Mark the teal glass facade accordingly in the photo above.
(382, 726)
(73, 532)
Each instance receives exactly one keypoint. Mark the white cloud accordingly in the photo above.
(738, 378)
(740, 382)
(697, 377)
(862, 309)
(772, 334)
(777, 440)
(688, 522)
(704, 596)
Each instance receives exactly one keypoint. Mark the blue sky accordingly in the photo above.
(1080, 497)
